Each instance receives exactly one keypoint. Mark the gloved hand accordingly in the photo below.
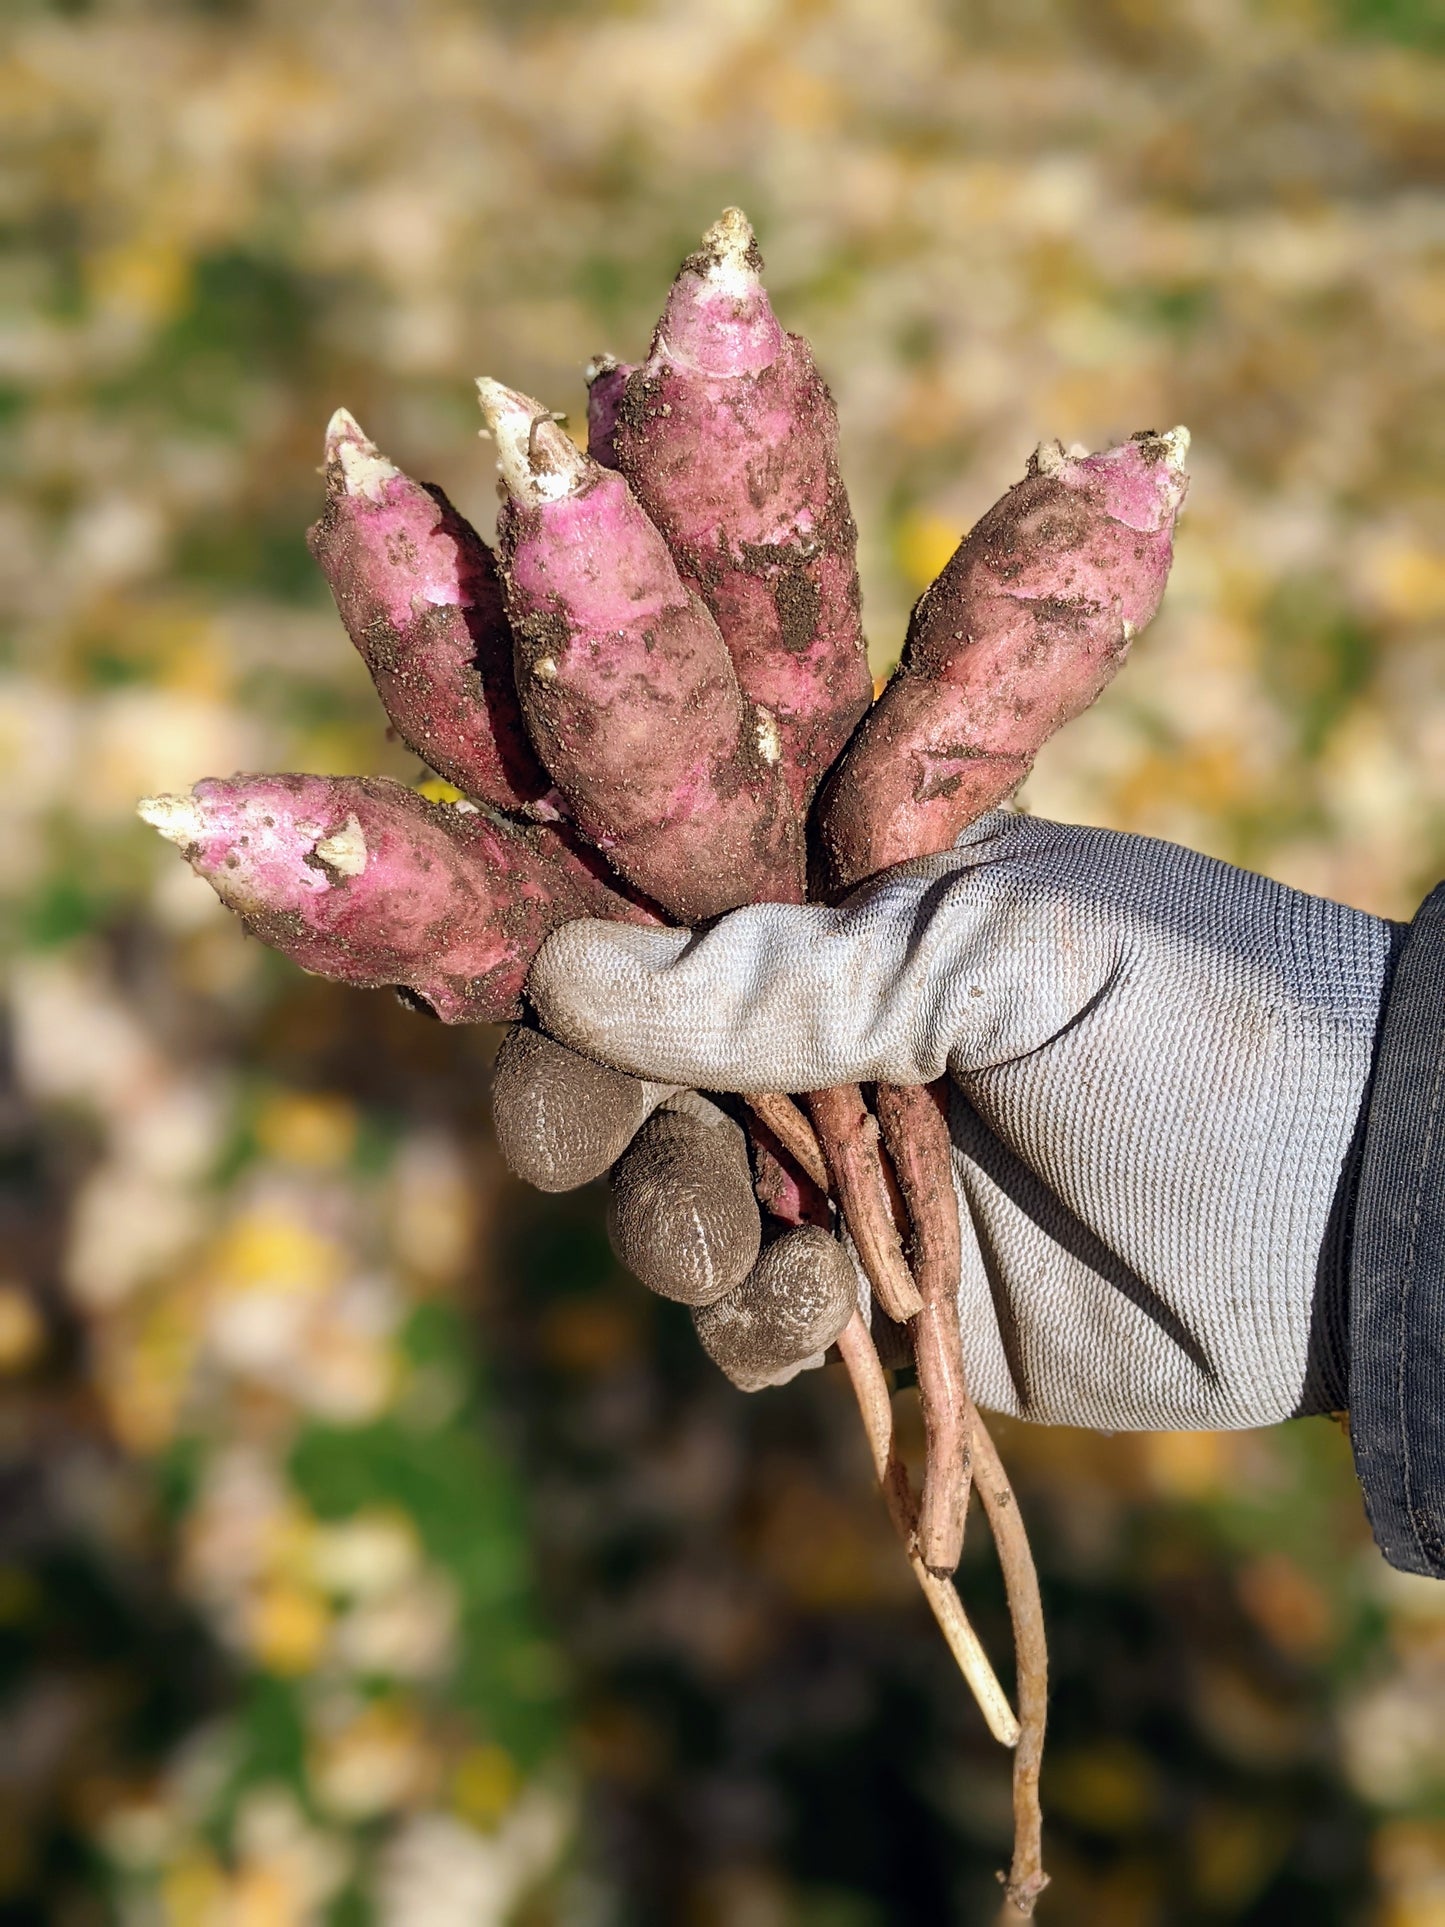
(1160, 1064)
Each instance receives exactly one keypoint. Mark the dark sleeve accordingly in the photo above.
(1397, 1266)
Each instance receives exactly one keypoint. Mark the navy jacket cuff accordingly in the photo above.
(1397, 1263)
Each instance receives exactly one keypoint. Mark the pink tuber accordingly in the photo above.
(626, 685)
(418, 591)
(360, 879)
(1025, 626)
(762, 528)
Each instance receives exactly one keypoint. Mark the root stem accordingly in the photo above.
(870, 1388)
(1026, 1877)
(915, 1131)
(848, 1133)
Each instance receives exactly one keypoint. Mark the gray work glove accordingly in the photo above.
(1159, 1065)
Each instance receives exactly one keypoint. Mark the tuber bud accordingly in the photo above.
(729, 437)
(627, 687)
(1025, 626)
(360, 879)
(418, 591)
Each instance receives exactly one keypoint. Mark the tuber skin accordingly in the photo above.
(419, 594)
(1028, 622)
(762, 528)
(606, 379)
(362, 880)
(627, 687)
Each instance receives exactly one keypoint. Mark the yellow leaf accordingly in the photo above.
(288, 1627)
(923, 544)
(485, 1785)
(314, 1129)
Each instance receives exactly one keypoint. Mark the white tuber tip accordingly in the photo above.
(355, 461)
(345, 851)
(600, 365)
(180, 819)
(1176, 442)
(539, 461)
(733, 251)
(1049, 459)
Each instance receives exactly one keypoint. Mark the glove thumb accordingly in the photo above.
(724, 1010)
(956, 961)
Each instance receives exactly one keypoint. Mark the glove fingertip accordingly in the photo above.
(683, 1217)
(785, 1314)
(561, 1119)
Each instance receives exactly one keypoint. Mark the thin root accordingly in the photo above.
(848, 1133)
(915, 1131)
(792, 1130)
(1026, 1877)
(870, 1388)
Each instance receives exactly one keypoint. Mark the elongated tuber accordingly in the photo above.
(1025, 626)
(762, 528)
(626, 685)
(420, 596)
(363, 880)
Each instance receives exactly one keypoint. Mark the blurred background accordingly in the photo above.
(371, 1549)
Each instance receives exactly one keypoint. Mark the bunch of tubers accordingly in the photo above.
(654, 703)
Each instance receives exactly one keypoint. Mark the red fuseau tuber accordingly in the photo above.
(1028, 622)
(761, 528)
(418, 591)
(363, 880)
(627, 687)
